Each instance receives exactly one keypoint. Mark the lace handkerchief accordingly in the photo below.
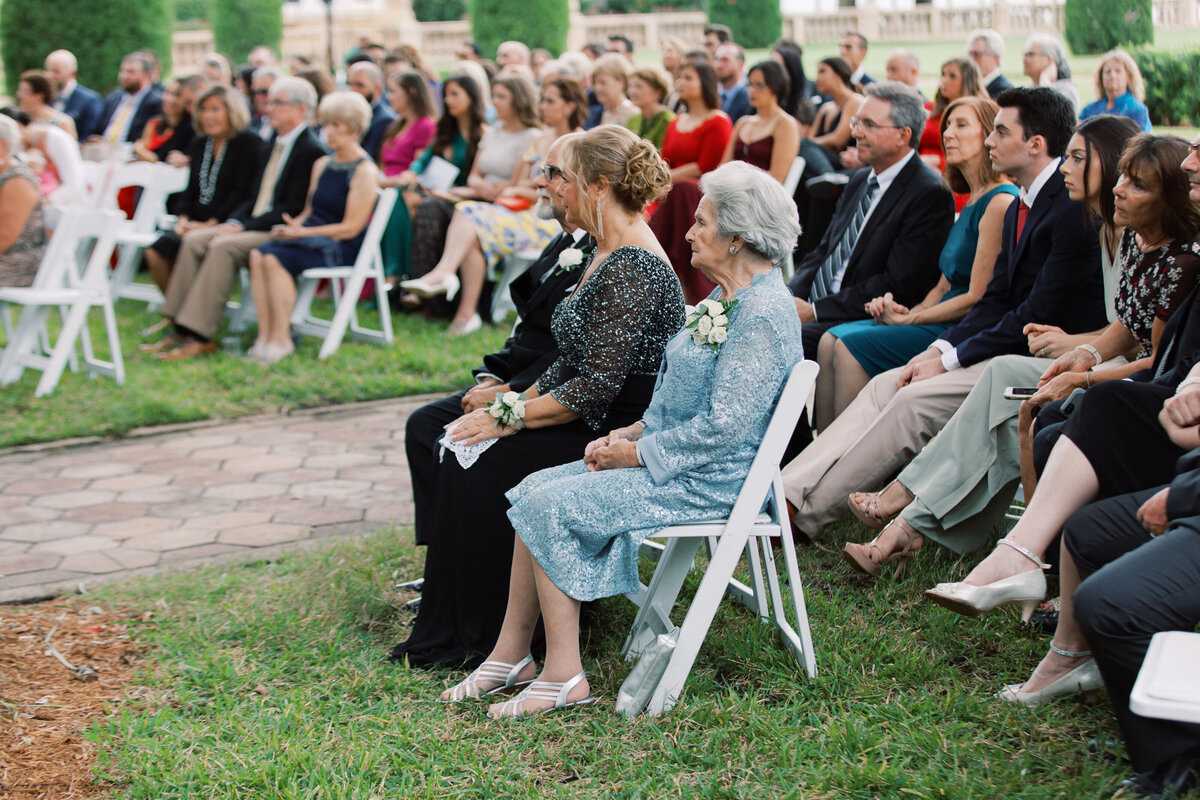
(467, 454)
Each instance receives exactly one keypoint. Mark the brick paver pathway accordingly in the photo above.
(239, 490)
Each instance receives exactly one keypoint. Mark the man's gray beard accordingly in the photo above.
(544, 209)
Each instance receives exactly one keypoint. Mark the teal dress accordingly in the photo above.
(704, 425)
(396, 246)
(879, 348)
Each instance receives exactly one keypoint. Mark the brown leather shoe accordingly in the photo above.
(192, 348)
(168, 342)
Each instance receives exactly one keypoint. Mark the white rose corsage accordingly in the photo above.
(709, 322)
(570, 260)
(508, 409)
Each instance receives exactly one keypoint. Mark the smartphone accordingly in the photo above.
(1018, 393)
(1071, 403)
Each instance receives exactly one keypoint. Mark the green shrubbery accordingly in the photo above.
(439, 10)
(192, 10)
(238, 26)
(1172, 94)
(99, 34)
(537, 23)
(1096, 26)
(755, 23)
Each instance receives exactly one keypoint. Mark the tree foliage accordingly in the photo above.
(192, 10)
(537, 23)
(239, 26)
(99, 34)
(755, 23)
(439, 10)
(1097, 26)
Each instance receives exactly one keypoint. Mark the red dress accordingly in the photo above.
(703, 146)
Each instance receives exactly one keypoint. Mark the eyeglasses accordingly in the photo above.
(870, 125)
(260, 92)
(977, 53)
(551, 173)
(756, 85)
(1194, 148)
(1031, 54)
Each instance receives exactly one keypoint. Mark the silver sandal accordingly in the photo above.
(489, 671)
(553, 691)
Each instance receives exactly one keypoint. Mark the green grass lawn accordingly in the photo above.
(421, 359)
(268, 681)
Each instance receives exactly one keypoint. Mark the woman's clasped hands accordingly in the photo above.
(617, 450)
(886, 311)
(290, 230)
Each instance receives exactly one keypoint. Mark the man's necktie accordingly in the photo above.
(120, 121)
(835, 262)
(266, 190)
(1022, 215)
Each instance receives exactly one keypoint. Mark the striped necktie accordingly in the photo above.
(835, 263)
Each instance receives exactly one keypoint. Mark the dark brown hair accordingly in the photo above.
(1154, 160)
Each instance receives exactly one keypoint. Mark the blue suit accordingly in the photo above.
(381, 117)
(735, 102)
(86, 107)
(151, 106)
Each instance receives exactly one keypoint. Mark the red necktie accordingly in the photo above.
(1022, 215)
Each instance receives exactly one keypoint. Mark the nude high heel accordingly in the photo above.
(869, 558)
(1026, 588)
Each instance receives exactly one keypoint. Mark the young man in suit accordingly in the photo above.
(209, 258)
(889, 226)
(853, 49)
(1048, 271)
(526, 354)
(986, 48)
(129, 108)
(367, 79)
(77, 101)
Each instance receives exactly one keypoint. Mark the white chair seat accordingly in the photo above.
(1166, 686)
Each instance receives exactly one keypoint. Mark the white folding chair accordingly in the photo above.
(748, 530)
(1166, 686)
(156, 182)
(348, 282)
(512, 267)
(790, 184)
(64, 288)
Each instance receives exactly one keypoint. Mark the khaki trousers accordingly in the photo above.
(203, 277)
(874, 437)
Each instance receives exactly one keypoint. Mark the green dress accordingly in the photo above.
(653, 129)
(396, 246)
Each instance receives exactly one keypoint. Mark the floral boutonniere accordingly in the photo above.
(709, 321)
(508, 409)
(570, 260)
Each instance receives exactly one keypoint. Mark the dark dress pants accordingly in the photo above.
(1134, 586)
(425, 426)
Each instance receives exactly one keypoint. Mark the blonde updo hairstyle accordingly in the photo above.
(616, 157)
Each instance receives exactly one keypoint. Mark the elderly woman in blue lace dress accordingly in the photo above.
(580, 525)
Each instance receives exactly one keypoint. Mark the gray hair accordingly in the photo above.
(10, 132)
(751, 204)
(908, 109)
(370, 67)
(273, 73)
(994, 42)
(1053, 49)
(296, 91)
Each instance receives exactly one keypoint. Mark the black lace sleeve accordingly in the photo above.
(616, 326)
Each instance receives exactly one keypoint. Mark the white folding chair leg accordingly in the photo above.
(654, 615)
(72, 325)
(30, 323)
(345, 315)
(798, 639)
(696, 624)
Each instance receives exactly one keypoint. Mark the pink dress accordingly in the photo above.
(398, 154)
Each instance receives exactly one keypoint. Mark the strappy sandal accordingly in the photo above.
(866, 511)
(552, 691)
(490, 671)
(869, 558)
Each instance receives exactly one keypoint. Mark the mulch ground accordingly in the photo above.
(45, 707)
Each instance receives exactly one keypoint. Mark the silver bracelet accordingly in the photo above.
(637, 451)
(1087, 348)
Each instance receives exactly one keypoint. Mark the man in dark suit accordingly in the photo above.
(1048, 271)
(526, 354)
(209, 258)
(129, 108)
(986, 48)
(730, 66)
(853, 49)
(367, 79)
(889, 226)
(78, 102)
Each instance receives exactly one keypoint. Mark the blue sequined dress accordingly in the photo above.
(703, 427)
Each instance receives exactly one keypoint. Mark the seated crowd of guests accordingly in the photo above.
(984, 239)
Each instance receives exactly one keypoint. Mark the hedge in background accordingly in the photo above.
(99, 34)
(755, 23)
(439, 10)
(1097, 26)
(1172, 93)
(537, 23)
(239, 26)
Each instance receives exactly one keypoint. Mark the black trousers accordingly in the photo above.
(424, 428)
(1134, 586)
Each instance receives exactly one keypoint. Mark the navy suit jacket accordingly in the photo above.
(381, 117)
(898, 247)
(532, 348)
(736, 102)
(999, 85)
(151, 106)
(1052, 276)
(86, 107)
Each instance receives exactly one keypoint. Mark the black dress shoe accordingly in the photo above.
(1171, 779)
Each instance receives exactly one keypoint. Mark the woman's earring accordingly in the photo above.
(732, 250)
(599, 221)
